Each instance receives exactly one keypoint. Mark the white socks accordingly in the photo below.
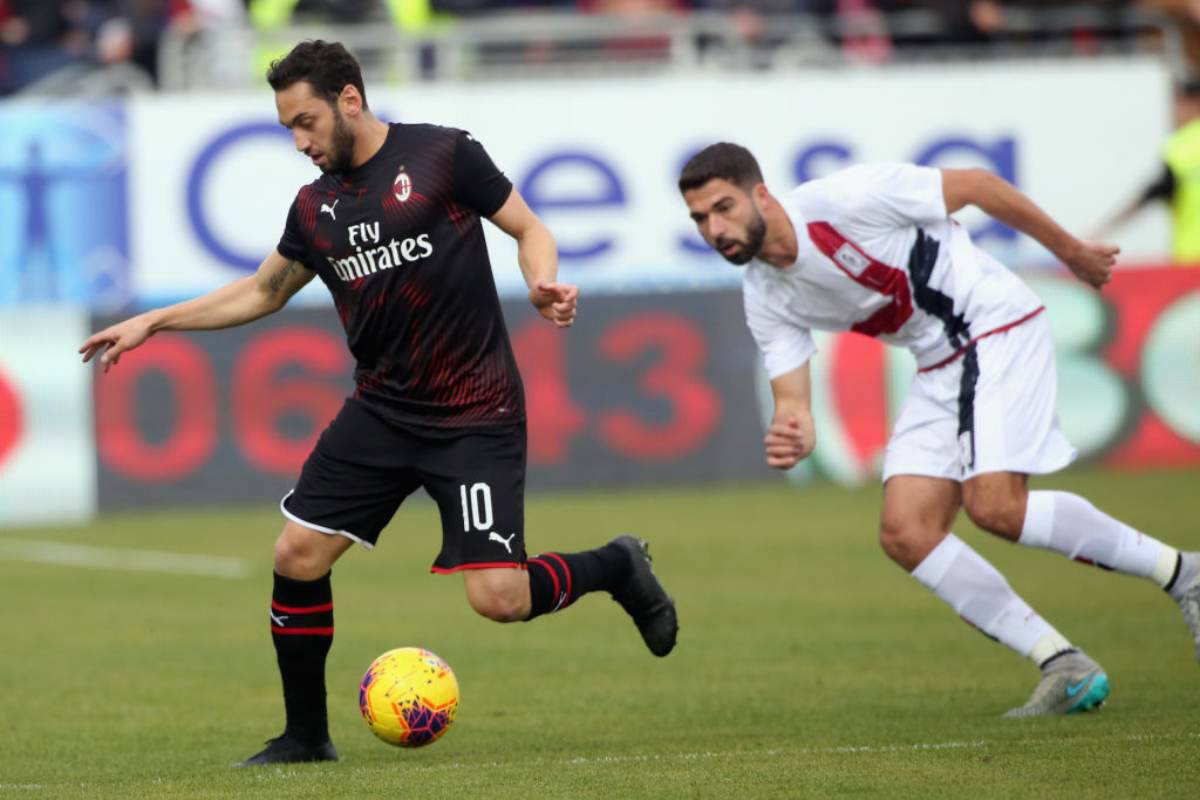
(1068, 524)
(980, 595)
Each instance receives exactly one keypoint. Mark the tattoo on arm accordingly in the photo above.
(279, 278)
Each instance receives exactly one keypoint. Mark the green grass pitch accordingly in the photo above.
(808, 665)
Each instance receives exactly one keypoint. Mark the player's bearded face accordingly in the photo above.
(746, 246)
(341, 149)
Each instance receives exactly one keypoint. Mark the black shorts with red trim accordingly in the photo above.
(364, 467)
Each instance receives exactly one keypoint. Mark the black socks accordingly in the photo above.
(558, 579)
(302, 630)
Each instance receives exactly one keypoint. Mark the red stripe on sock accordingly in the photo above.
(302, 609)
(566, 571)
(553, 576)
(302, 631)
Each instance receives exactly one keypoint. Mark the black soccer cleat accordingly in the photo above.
(284, 749)
(645, 599)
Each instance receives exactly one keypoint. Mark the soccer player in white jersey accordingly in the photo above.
(874, 249)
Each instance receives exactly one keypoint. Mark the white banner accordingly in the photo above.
(212, 176)
(47, 455)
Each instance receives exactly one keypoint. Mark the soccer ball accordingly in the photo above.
(408, 697)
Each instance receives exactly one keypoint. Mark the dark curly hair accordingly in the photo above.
(724, 161)
(327, 66)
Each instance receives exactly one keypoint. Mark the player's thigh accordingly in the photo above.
(918, 511)
(357, 475)
(477, 480)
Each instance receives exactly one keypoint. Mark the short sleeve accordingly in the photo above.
(478, 182)
(892, 194)
(291, 243)
(785, 345)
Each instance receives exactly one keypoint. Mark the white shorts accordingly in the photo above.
(990, 410)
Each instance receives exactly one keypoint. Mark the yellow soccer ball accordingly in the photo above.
(408, 697)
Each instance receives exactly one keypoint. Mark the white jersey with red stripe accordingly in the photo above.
(878, 254)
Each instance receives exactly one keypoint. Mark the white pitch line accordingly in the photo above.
(867, 749)
(78, 555)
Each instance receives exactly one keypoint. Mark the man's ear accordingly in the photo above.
(350, 101)
(761, 196)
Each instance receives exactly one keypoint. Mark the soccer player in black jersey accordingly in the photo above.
(393, 229)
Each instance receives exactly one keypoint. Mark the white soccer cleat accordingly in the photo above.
(1071, 683)
(1187, 594)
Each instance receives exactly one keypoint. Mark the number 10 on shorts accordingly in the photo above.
(476, 506)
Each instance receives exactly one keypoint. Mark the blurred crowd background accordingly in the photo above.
(48, 44)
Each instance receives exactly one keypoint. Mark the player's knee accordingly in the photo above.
(503, 597)
(295, 558)
(896, 537)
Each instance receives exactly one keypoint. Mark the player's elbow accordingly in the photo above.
(537, 235)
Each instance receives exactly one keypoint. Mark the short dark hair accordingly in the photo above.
(722, 160)
(327, 66)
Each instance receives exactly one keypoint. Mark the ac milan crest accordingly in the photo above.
(402, 186)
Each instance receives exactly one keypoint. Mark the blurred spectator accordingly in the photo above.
(38, 37)
(41, 37)
(1178, 181)
(1186, 16)
(976, 22)
(634, 45)
(411, 18)
(128, 31)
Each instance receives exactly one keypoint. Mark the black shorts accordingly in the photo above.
(363, 467)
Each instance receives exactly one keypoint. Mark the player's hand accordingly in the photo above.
(1092, 262)
(113, 341)
(556, 302)
(787, 442)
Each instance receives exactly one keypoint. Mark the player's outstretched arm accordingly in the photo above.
(236, 303)
(1092, 262)
(792, 435)
(538, 256)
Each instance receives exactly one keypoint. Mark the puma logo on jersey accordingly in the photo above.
(495, 537)
(329, 209)
(851, 260)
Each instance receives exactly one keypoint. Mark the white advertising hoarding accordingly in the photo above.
(212, 176)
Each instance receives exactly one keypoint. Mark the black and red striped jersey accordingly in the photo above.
(399, 243)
